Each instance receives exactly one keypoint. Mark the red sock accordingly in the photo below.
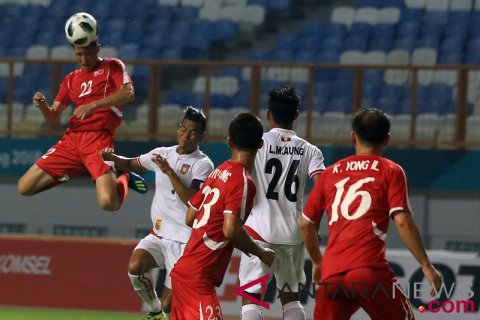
(122, 187)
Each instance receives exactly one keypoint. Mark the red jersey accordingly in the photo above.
(360, 194)
(80, 87)
(229, 189)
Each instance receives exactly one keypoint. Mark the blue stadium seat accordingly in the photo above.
(286, 43)
(404, 44)
(224, 30)
(221, 101)
(380, 44)
(355, 43)
(361, 29)
(312, 43)
(278, 5)
(314, 28)
(258, 54)
(451, 58)
(387, 104)
(281, 55)
(383, 30)
(185, 13)
(451, 44)
(408, 28)
(332, 44)
(128, 51)
(304, 56)
(171, 54)
(339, 104)
(371, 90)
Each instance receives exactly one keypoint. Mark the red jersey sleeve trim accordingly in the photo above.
(307, 218)
(193, 207)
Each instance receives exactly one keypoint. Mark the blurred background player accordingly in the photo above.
(179, 172)
(98, 89)
(217, 213)
(361, 193)
(282, 167)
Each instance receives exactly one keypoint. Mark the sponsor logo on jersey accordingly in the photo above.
(285, 138)
(184, 169)
(98, 73)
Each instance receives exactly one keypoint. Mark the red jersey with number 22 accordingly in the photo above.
(80, 87)
(360, 194)
(227, 190)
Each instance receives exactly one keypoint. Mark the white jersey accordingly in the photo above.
(282, 167)
(168, 211)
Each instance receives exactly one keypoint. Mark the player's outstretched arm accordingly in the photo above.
(411, 237)
(51, 114)
(311, 240)
(122, 163)
(235, 232)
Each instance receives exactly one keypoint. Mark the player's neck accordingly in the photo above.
(364, 150)
(181, 150)
(247, 158)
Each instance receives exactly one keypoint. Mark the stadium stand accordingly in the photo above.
(390, 32)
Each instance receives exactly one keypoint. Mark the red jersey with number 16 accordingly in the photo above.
(360, 194)
(227, 190)
(80, 87)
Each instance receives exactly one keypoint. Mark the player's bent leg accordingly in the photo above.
(109, 194)
(34, 181)
(141, 262)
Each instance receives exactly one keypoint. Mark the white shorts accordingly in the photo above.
(165, 252)
(287, 267)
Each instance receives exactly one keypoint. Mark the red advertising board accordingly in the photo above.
(66, 273)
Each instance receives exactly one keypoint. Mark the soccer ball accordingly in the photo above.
(81, 29)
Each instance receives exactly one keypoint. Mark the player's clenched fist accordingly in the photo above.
(107, 154)
(38, 99)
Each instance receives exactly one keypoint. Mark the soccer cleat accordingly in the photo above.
(155, 316)
(137, 183)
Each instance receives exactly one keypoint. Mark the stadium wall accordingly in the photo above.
(91, 274)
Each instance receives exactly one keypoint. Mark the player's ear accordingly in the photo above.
(353, 137)
(229, 142)
(387, 140)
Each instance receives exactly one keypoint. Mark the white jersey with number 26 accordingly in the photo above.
(282, 167)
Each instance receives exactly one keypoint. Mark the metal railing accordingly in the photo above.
(161, 75)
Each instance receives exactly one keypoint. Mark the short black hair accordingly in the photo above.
(197, 116)
(246, 131)
(284, 103)
(371, 125)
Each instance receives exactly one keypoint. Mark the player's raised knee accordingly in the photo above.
(108, 204)
(25, 189)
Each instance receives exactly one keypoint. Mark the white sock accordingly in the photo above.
(145, 288)
(167, 315)
(251, 312)
(293, 311)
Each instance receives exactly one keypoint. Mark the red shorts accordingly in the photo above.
(341, 295)
(194, 303)
(77, 154)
